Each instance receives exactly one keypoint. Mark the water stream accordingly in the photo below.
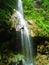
(25, 39)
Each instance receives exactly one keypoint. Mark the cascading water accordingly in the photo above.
(26, 44)
(20, 7)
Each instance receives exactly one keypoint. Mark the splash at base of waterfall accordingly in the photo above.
(27, 63)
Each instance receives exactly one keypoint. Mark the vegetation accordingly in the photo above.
(28, 8)
(36, 11)
(39, 11)
(6, 10)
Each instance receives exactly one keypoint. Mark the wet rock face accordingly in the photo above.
(10, 41)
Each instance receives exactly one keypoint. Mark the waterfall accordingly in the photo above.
(25, 39)
(20, 7)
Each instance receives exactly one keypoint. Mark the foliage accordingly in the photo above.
(28, 8)
(6, 10)
(38, 10)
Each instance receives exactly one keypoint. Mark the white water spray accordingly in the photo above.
(25, 39)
